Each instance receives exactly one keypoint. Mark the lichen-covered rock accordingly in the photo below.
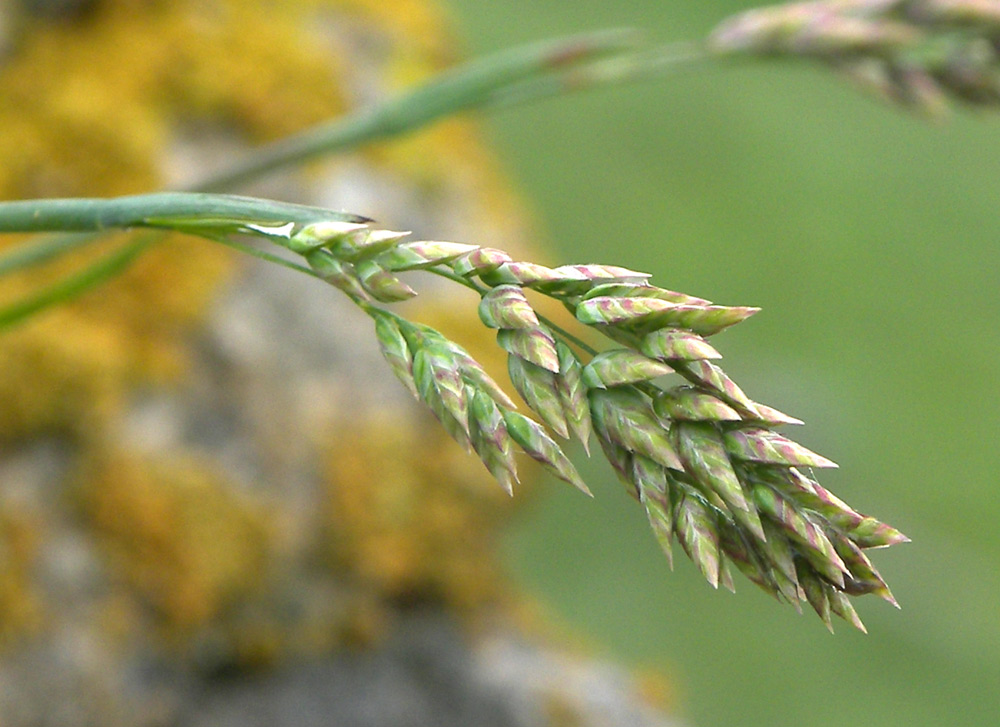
(206, 468)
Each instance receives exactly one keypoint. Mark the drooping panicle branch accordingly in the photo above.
(702, 457)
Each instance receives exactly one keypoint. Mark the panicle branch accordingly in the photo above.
(914, 53)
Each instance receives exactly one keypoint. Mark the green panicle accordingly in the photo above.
(756, 444)
(538, 445)
(573, 394)
(671, 344)
(536, 345)
(814, 29)
(506, 307)
(490, 439)
(480, 261)
(702, 458)
(395, 351)
(622, 366)
(538, 388)
(816, 547)
(686, 403)
(698, 536)
(623, 416)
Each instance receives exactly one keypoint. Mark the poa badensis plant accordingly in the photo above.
(636, 371)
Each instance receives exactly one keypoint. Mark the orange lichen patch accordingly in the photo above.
(19, 602)
(176, 534)
(411, 516)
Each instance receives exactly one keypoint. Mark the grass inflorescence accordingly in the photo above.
(914, 53)
(705, 460)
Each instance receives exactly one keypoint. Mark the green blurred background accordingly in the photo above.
(870, 239)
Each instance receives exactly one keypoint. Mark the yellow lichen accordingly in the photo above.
(90, 109)
(410, 515)
(183, 540)
(20, 604)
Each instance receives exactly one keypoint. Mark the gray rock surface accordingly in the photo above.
(431, 675)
